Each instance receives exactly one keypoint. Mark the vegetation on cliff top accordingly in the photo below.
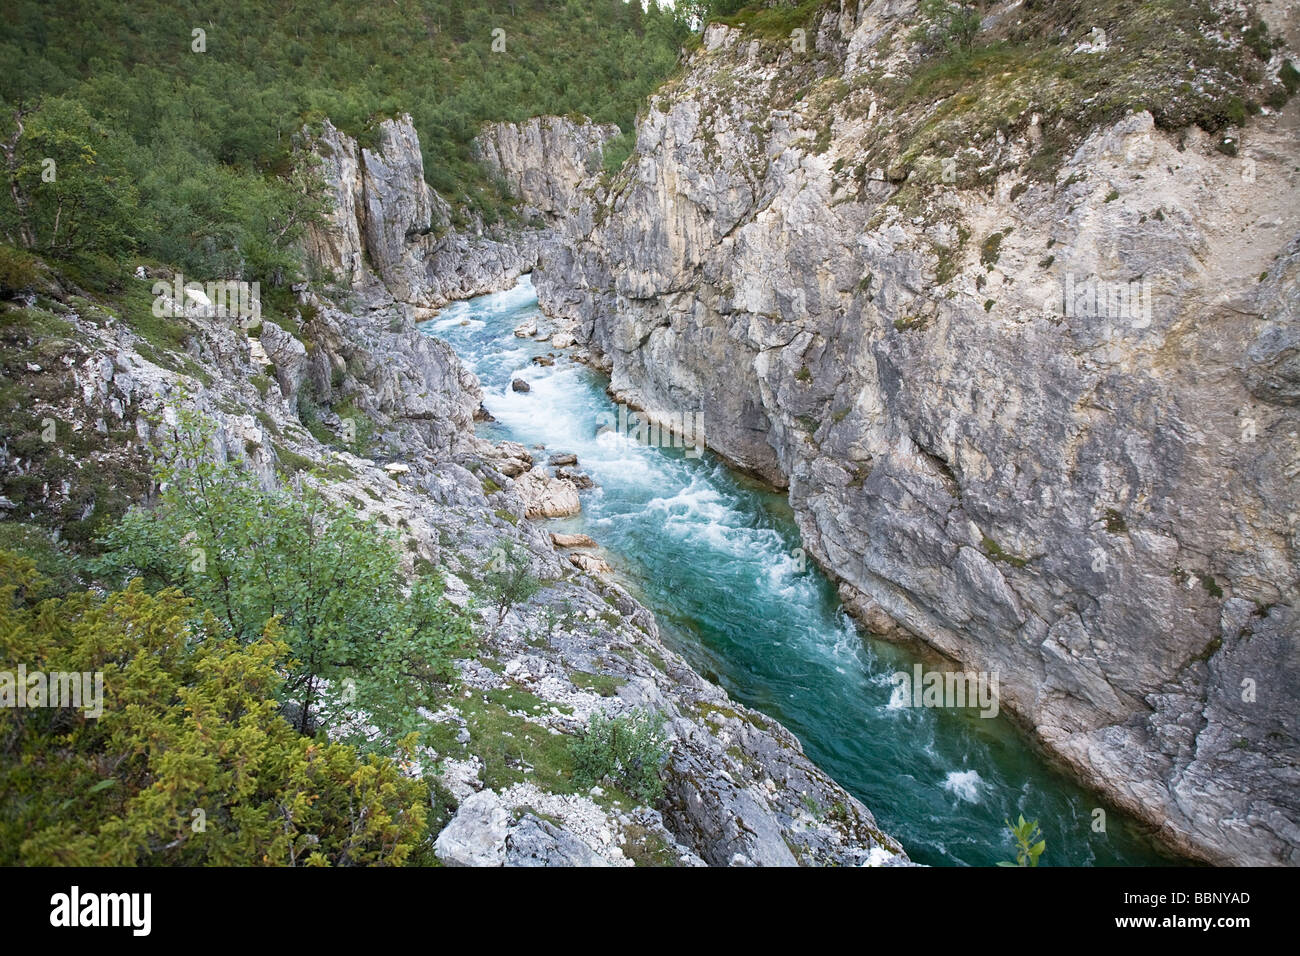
(978, 74)
(178, 147)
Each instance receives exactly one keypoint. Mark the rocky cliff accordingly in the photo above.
(545, 161)
(389, 234)
(1017, 328)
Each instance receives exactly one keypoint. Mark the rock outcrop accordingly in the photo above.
(1047, 422)
(389, 234)
(545, 160)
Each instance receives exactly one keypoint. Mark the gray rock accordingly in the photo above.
(476, 835)
(535, 842)
(384, 215)
(1066, 499)
(545, 160)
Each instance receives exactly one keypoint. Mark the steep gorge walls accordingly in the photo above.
(388, 234)
(874, 278)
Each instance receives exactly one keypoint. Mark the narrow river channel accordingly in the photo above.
(713, 554)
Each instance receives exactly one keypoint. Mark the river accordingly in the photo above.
(715, 555)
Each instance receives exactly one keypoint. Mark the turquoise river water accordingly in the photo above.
(712, 553)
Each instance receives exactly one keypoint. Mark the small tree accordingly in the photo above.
(331, 581)
(952, 26)
(1029, 842)
(509, 579)
(188, 761)
(627, 750)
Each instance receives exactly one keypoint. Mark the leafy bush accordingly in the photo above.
(951, 26)
(18, 271)
(617, 150)
(1029, 842)
(361, 644)
(189, 762)
(775, 20)
(509, 579)
(627, 750)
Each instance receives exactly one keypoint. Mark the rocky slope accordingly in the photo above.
(873, 286)
(342, 391)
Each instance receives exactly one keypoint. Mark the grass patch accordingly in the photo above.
(996, 553)
(778, 21)
(606, 685)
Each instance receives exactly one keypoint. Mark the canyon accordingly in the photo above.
(1026, 369)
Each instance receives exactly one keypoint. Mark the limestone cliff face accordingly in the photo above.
(389, 234)
(545, 160)
(1047, 424)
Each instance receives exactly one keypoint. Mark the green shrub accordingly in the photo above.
(1029, 842)
(18, 270)
(626, 750)
(188, 761)
(952, 26)
(331, 581)
(509, 579)
(617, 150)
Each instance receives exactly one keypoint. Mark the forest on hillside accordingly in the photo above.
(172, 125)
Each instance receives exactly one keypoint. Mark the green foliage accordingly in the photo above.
(189, 157)
(1029, 842)
(1289, 76)
(362, 429)
(189, 762)
(73, 178)
(18, 270)
(509, 579)
(617, 150)
(51, 557)
(626, 750)
(991, 250)
(361, 644)
(946, 25)
(773, 20)
(1185, 61)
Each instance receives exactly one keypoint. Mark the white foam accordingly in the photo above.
(454, 322)
(899, 698)
(964, 785)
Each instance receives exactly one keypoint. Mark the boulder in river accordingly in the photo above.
(512, 459)
(591, 563)
(579, 479)
(564, 458)
(519, 385)
(572, 540)
(546, 496)
(526, 329)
